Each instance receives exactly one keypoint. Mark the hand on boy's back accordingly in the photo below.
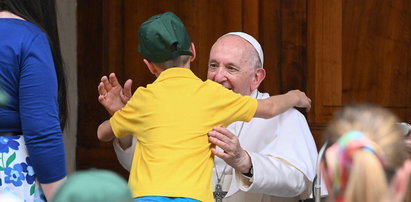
(111, 95)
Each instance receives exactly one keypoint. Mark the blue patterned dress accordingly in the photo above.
(16, 172)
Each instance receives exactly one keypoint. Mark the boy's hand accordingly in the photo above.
(302, 100)
(111, 95)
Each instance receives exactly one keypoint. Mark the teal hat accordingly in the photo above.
(163, 37)
(94, 185)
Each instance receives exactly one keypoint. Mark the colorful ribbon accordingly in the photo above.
(339, 159)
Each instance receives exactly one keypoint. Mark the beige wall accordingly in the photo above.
(68, 38)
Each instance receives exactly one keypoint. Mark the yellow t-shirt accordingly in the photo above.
(171, 118)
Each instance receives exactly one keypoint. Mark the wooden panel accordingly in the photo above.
(324, 55)
(113, 37)
(97, 56)
(251, 18)
(293, 45)
(270, 39)
(358, 51)
(283, 34)
(90, 65)
(331, 55)
(377, 46)
(324, 58)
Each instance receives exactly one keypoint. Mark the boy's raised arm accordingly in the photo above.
(275, 105)
(104, 132)
(111, 95)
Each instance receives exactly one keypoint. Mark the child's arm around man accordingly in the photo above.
(266, 108)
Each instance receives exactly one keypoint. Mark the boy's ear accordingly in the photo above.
(151, 67)
(193, 50)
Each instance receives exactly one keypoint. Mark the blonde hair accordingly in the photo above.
(368, 176)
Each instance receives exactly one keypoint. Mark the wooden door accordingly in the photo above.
(358, 51)
(107, 35)
(337, 51)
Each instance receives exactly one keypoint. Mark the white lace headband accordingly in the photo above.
(252, 41)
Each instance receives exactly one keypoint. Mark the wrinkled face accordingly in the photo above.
(231, 65)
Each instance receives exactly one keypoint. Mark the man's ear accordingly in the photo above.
(151, 67)
(193, 50)
(259, 76)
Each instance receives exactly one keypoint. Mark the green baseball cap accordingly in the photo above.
(163, 37)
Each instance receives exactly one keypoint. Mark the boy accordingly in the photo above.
(171, 117)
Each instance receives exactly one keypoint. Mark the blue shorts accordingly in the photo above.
(163, 199)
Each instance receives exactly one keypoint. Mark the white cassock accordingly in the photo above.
(283, 154)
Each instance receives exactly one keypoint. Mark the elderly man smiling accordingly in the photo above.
(265, 160)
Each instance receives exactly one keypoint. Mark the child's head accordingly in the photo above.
(367, 148)
(94, 185)
(164, 41)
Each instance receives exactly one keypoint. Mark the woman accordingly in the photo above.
(367, 159)
(32, 158)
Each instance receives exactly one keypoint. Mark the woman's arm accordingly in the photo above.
(51, 188)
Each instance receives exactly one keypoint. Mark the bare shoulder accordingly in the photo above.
(7, 14)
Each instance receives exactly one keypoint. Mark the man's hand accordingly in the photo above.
(232, 153)
(302, 100)
(111, 95)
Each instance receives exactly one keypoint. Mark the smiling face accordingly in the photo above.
(232, 63)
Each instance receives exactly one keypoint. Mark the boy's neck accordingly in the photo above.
(159, 70)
